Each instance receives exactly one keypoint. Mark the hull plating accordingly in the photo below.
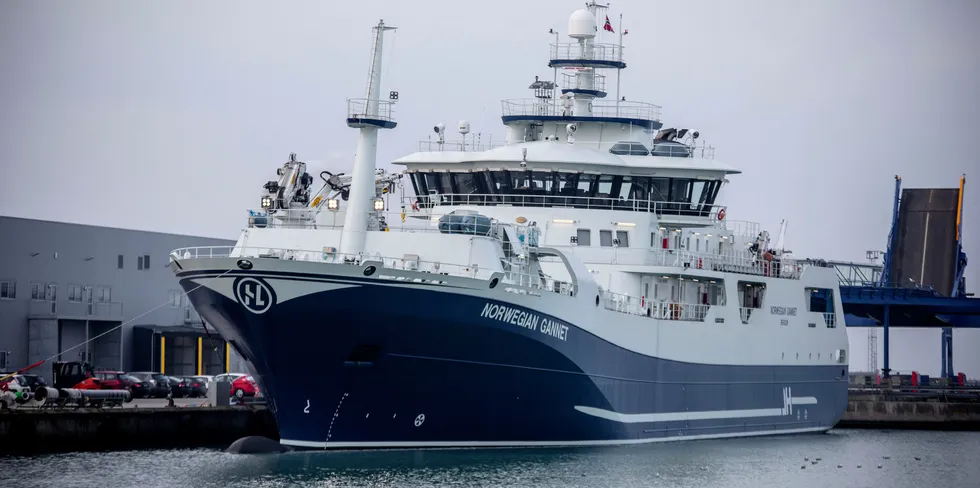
(354, 362)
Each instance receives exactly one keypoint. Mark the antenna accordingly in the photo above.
(368, 115)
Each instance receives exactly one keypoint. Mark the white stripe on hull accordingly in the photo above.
(611, 442)
(638, 418)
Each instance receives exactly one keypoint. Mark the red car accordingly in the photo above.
(242, 385)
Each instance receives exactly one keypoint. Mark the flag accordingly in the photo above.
(608, 25)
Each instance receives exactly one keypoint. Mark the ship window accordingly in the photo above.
(680, 190)
(146, 261)
(446, 182)
(8, 290)
(605, 186)
(586, 185)
(625, 188)
(605, 238)
(659, 189)
(139, 263)
(584, 237)
(432, 184)
(119, 261)
(465, 183)
(624, 238)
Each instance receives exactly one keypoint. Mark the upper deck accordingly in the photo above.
(592, 55)
(641, 115)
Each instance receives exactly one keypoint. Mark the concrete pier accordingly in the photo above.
(920, 410)
(38, 431)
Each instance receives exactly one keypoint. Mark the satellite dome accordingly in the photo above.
(581, 25)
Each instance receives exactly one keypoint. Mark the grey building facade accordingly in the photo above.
(76, 292)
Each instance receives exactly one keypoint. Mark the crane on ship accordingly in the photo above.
(290, 196)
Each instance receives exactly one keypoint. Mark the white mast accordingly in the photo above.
(368, 115)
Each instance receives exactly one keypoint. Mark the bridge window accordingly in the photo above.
(584, 237)
(674, 196)
(466, 183)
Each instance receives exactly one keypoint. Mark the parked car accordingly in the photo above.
(242, 385)
(195, 387)
(159, 384)
(118, 380)
(178, 387)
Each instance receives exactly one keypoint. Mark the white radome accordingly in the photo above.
(582, 25)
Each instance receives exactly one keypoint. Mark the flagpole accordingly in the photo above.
(619, 70)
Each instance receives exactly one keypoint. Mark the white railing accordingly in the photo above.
(392, 221)
(328, 255)
(363, 108)
(569, 81)
(456, 145)
(735, 262)
(660, 310)
(742, 227)
(682, 151)
(534, 107)
(591, 203)
(569, 51)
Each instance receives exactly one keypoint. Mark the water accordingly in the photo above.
(948, 459)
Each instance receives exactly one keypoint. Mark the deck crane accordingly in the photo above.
(289, 198)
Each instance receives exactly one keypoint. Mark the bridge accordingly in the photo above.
(921, 281)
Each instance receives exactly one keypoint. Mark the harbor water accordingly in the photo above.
(847, 458)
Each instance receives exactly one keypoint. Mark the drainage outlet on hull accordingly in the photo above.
(363, 355)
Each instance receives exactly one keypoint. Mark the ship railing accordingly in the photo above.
(686, 209)
(570, 81)
(742, 228)
(654, 309)
(745, 313)
(535, 107)
(403, 221)
(729, 262)
(408, 262)
(364, 108)
(573, 51)
(429, 145)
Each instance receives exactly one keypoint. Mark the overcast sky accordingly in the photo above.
(169, 116)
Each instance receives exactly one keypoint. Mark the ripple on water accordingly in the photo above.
(952, 457)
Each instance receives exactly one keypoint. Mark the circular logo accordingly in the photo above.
(419, 420)
(254, 294)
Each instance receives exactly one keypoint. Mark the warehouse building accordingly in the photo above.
(103, 295)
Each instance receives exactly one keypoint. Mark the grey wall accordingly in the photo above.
(35, 251)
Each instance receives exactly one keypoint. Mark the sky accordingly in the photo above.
(169, 116)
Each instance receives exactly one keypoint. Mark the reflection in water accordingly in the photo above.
(951, 457)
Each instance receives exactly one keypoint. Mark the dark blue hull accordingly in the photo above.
(380, 365)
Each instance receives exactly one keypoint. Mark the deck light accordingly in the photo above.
(563, 221)
(333, 204)
(266, 202)
(379, 205)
